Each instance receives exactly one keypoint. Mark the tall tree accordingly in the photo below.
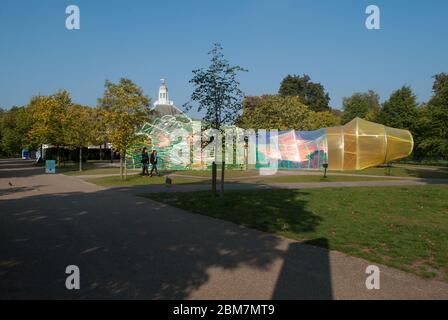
(277, 112)
(99, 136)
(283, 113)
(14, 125)
(434, 123)
(364, 105)
(126, 109)
(312, 94)
(400, 110)
(78, 128)
(48, 114)
(217, 92)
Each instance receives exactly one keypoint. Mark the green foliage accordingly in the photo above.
(400, 111)
(311, 94)
(283, 113)
(126, 109)
(14, 125)
(216, 90)
(433, 121)
(78, 128)
(363, 105)
(48, 114)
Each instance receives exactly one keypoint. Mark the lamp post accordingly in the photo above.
(325, 165)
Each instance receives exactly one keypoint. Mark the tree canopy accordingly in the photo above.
(400, 110)
(434, 121)
(216, 90)
(311, 94)
(126, 109)
(364, 105)
(283, 113)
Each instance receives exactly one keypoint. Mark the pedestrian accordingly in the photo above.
(145, 162)
(153, 161)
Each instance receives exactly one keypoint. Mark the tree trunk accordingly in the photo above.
(80, 158)
(214, 179)
(121, 165)
(57, 156)
(101, 151)
(125, 167)
(222, 178)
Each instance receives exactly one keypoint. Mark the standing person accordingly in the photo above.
(145, 162)
(153, 160)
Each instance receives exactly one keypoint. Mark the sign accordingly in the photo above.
(25, 154)
(50, 166)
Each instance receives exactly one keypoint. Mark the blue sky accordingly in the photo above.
(147, 40)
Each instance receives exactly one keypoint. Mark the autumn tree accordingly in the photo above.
(48, 114)
(14, 126)
(78, 128)
(126, 109)
(99, 129)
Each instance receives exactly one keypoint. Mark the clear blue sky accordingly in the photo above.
(147, 40)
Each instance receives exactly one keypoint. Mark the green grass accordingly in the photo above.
(208, 173)
(404, 171)
(402, 227)
(137, 179)
(307, 178)
(87, 172)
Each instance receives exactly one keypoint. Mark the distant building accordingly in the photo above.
(164, 106)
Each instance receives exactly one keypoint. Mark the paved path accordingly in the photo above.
(131, 247)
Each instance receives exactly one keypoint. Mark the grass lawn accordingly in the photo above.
(403, 227)
(137, 179)
(404, 171)
(307, 178)
(208, 173)
(72, 168)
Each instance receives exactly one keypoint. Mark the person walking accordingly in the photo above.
(145, 162)
(153, 161)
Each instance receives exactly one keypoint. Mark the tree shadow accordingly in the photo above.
(306, 273)
(132, 248)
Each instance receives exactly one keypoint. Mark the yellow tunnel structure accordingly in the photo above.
(361, 144)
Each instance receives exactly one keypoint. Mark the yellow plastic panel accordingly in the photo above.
(399, 143)
(335, 141)
(361, 144)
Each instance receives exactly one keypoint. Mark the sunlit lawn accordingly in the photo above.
(404, 171)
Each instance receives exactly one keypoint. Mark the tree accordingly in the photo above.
(324, 119)
(277, 112)
(48, 113)
(283, 113)
(434, 120)
(312, 94)
(126, 109)
(400, 110)
(217, 92)
(364, 105)
(99, 136)
(78, 128)
(14, 125)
